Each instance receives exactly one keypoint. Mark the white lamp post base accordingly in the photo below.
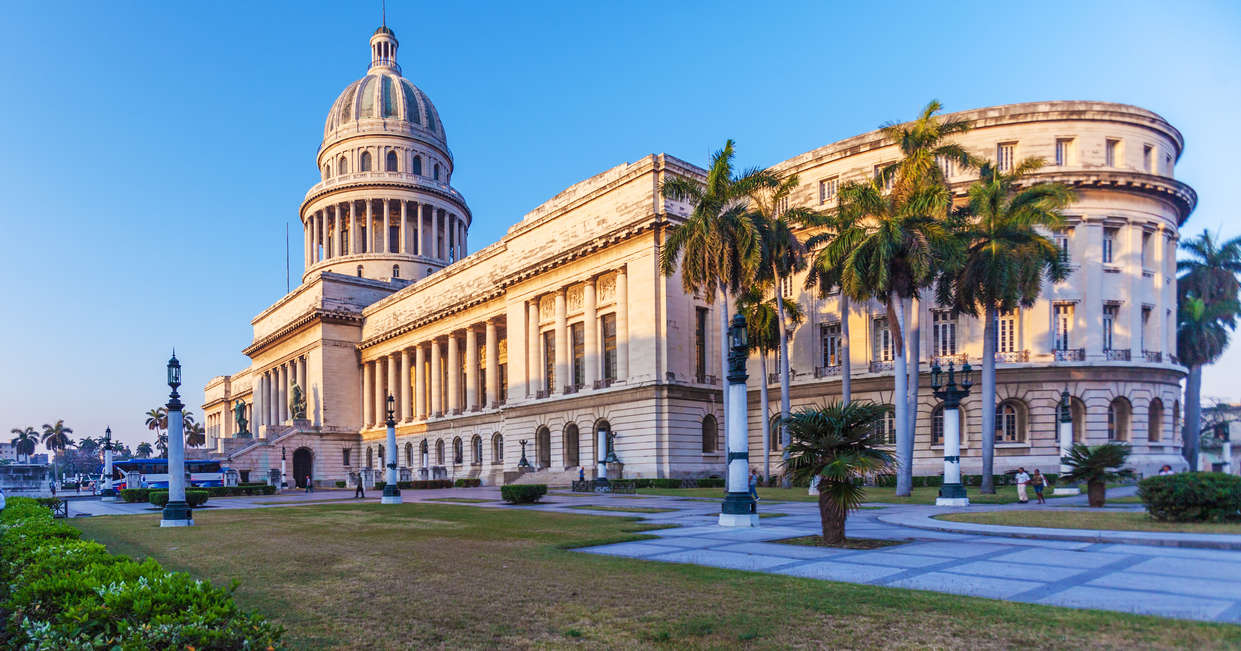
(1067, 491)
(390, 499)
(952, 501)
(176, 523)
(738, 519)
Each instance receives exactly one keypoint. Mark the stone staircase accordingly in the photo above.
(551, 477)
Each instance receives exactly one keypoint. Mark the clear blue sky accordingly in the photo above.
(153, 152)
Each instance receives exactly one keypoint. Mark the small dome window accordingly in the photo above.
(365, 166)
(437, 171)
(396, 271)
(418, 165)
(342, 166)
(327, 172)
(359, 271)
(390, 164)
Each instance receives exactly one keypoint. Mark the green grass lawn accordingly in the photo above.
(1090, 519)
(439, 575)
(460, 500)
(622, 509)
(886, 495)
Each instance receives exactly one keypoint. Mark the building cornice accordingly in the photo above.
(310, 317)
(1182, 197)
(385, 181)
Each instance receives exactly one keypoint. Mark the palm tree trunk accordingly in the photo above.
(986, 394)
(1096, 493)
(904, 442)
(832, 518)
(764, 421)
(1193, 416)
(724, 366)
(784, 384)
(915, 355)
(846, 365)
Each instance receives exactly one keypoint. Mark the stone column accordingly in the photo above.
(590, 339)
(406, 400)
(454, 374)
(493, 363)
(355, 232)
(381, 391)
(369, 243)
(402, 245)
(423, 216)
(622, 324)
(256, 410)
(302, 380)
(437, 395)
(471, 368)
(368, 407)
(534, 366)
(420, 381)
(562, 343)
(282, 394)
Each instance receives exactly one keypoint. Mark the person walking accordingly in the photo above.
(359, 492)
(754, 484)
(1166, 470)
(52, 485)
(1040, 481)
(310, 487)
(1023, 479)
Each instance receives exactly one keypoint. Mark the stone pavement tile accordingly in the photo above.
(840, 571)
(1034, 542)
(687, 542)
(952, 549)
(974, 586)
(1225, 555)
(894, 559)
(629, 549)
(1132, 601)
(1063, 558)
(1190, 567)
(777, 549)
(689, 531)
(1197, 587)
(730, 560)
(1020, 571)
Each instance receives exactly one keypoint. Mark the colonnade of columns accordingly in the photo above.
(419, 228)
(272, 390)
(556, 362)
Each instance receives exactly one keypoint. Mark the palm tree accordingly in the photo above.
(143, 450)
(1005, 261)
(718, 246)
(841, 445)
(1096, 465)
(195, 435)
(25, 441)
(56, 437)
(1208, 289)
(764, 336)
(157, 420)
(825, 277)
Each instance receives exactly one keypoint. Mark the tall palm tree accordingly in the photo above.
(195, 435)
(764, 336)
(157, 420)
(143, 450)
(841, 445)
(824, 276)
(1208, 292)
(1202, 333)
(25, 441)
(717, 247)
(1005, 261)
(56, 436)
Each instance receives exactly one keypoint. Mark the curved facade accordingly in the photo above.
(564, 330)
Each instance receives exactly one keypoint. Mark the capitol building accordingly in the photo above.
(565, 328)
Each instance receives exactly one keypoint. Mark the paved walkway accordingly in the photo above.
(1202, 584)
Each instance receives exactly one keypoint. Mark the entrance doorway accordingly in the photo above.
(303, 462)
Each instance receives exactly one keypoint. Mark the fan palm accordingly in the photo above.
(841, 444)
(1211, 267)
(764, 336)
(1005, 260)
(1202, 333)
(25, 441)
(1096, 465)
(717, 248)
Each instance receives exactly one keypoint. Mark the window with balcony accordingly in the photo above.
(1110, 312)
(390, 162)
(944, 332)
(1146, 245)
(1006, 331)
(1109, 245)
(549, 361)
(608, 325)
(829, 334)
(577, 332)
(1062, 243)
(1004, 153)
(365, 165)
(417, 168)
(1111, 152)
(1064, 151)
(882, 348)
(828, 188)
(786, 287)
(700, 344)
(1146, 317)
(1063, 315)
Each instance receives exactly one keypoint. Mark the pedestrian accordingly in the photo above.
(1039, 480)
(359, 492)
(754, 485)
(1, 499)
(581, 473)
(1022, 478)
(310, 487)
(52, 485)
(1166, 470)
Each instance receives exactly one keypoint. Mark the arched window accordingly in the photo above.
(327, 172)
(1010, 422)
(1176, 418)
(543, 447)
(396, 271)
(937, 425)
(572, 446)
(439, 452)
(1154, 421)
(381, 457)
(390, 164)
(710, 434)
(359, 271)
(342, 166)
(437, 171)
(422, 450)
(365, 165)
(370, 458)
(1118, 415)
(476, 450)
(497, 448)
(418, 165)
(887, 427)
(409, 455)
(458, 454)
(774, 434)
(1078, 409)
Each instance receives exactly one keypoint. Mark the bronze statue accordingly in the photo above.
(239, 415)
(297, 402)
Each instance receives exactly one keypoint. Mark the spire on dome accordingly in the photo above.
(383, 49)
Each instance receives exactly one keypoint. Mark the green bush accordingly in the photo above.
(468, 482)
(340, 484)
(135, 494)
(711, 482)
(49, 502)
(1192, 496)
(60, 592)
(193, 497)
(523, 493)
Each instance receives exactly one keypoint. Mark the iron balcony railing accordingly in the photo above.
(1071, 355)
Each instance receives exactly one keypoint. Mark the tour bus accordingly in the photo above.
(153, 473)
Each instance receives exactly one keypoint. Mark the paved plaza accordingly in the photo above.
(1126, 571)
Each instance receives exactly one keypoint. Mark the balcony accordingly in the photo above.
(1152, 356)
(944, 360)
(1013, 357)
(827, 371)
(1071, 355)
(880, 367)
(1117, 355)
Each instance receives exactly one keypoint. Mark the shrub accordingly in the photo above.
(60, 592)
(193, 497)
(135, 494)
(49, 502)
(711, 482)
(523, 493)
(379, 485)
(468, 482)
(1191, 496)
(340, 484)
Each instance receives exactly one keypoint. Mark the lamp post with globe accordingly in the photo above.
(177, 512)
(107, 493)
(952, 493)
(392, 494)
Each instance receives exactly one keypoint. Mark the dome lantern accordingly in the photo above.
(383, 50)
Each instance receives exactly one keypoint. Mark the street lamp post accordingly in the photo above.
(739, 508)
(392, 494)
(951, 493)
(107, 493)
(177, 512)
(1064, 432)
(284, 478)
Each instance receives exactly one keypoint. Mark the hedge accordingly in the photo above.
(340, 484)
(1192, 496)
(143, 494)
(58, 591)
(194, 497)
(468, 482)
(523, 493)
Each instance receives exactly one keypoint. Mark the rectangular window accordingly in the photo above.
(786, 287)
(608, 324)
(1109, 324)
(1148, 159)
(887, 184)
(1006, 331)
(828, 188)
(503, 383)
(830, 335)
(1064, 151)
(945, 166)
(1167, 163)
(1109, 244)
(1004, 156)
(1146, 245)
(1064, 325)
(700, 344)
(944, 331)
(1111, 152)
(578, 332)
(549, 361)
(882, 351)
(1146, 317)
(1062, 243)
